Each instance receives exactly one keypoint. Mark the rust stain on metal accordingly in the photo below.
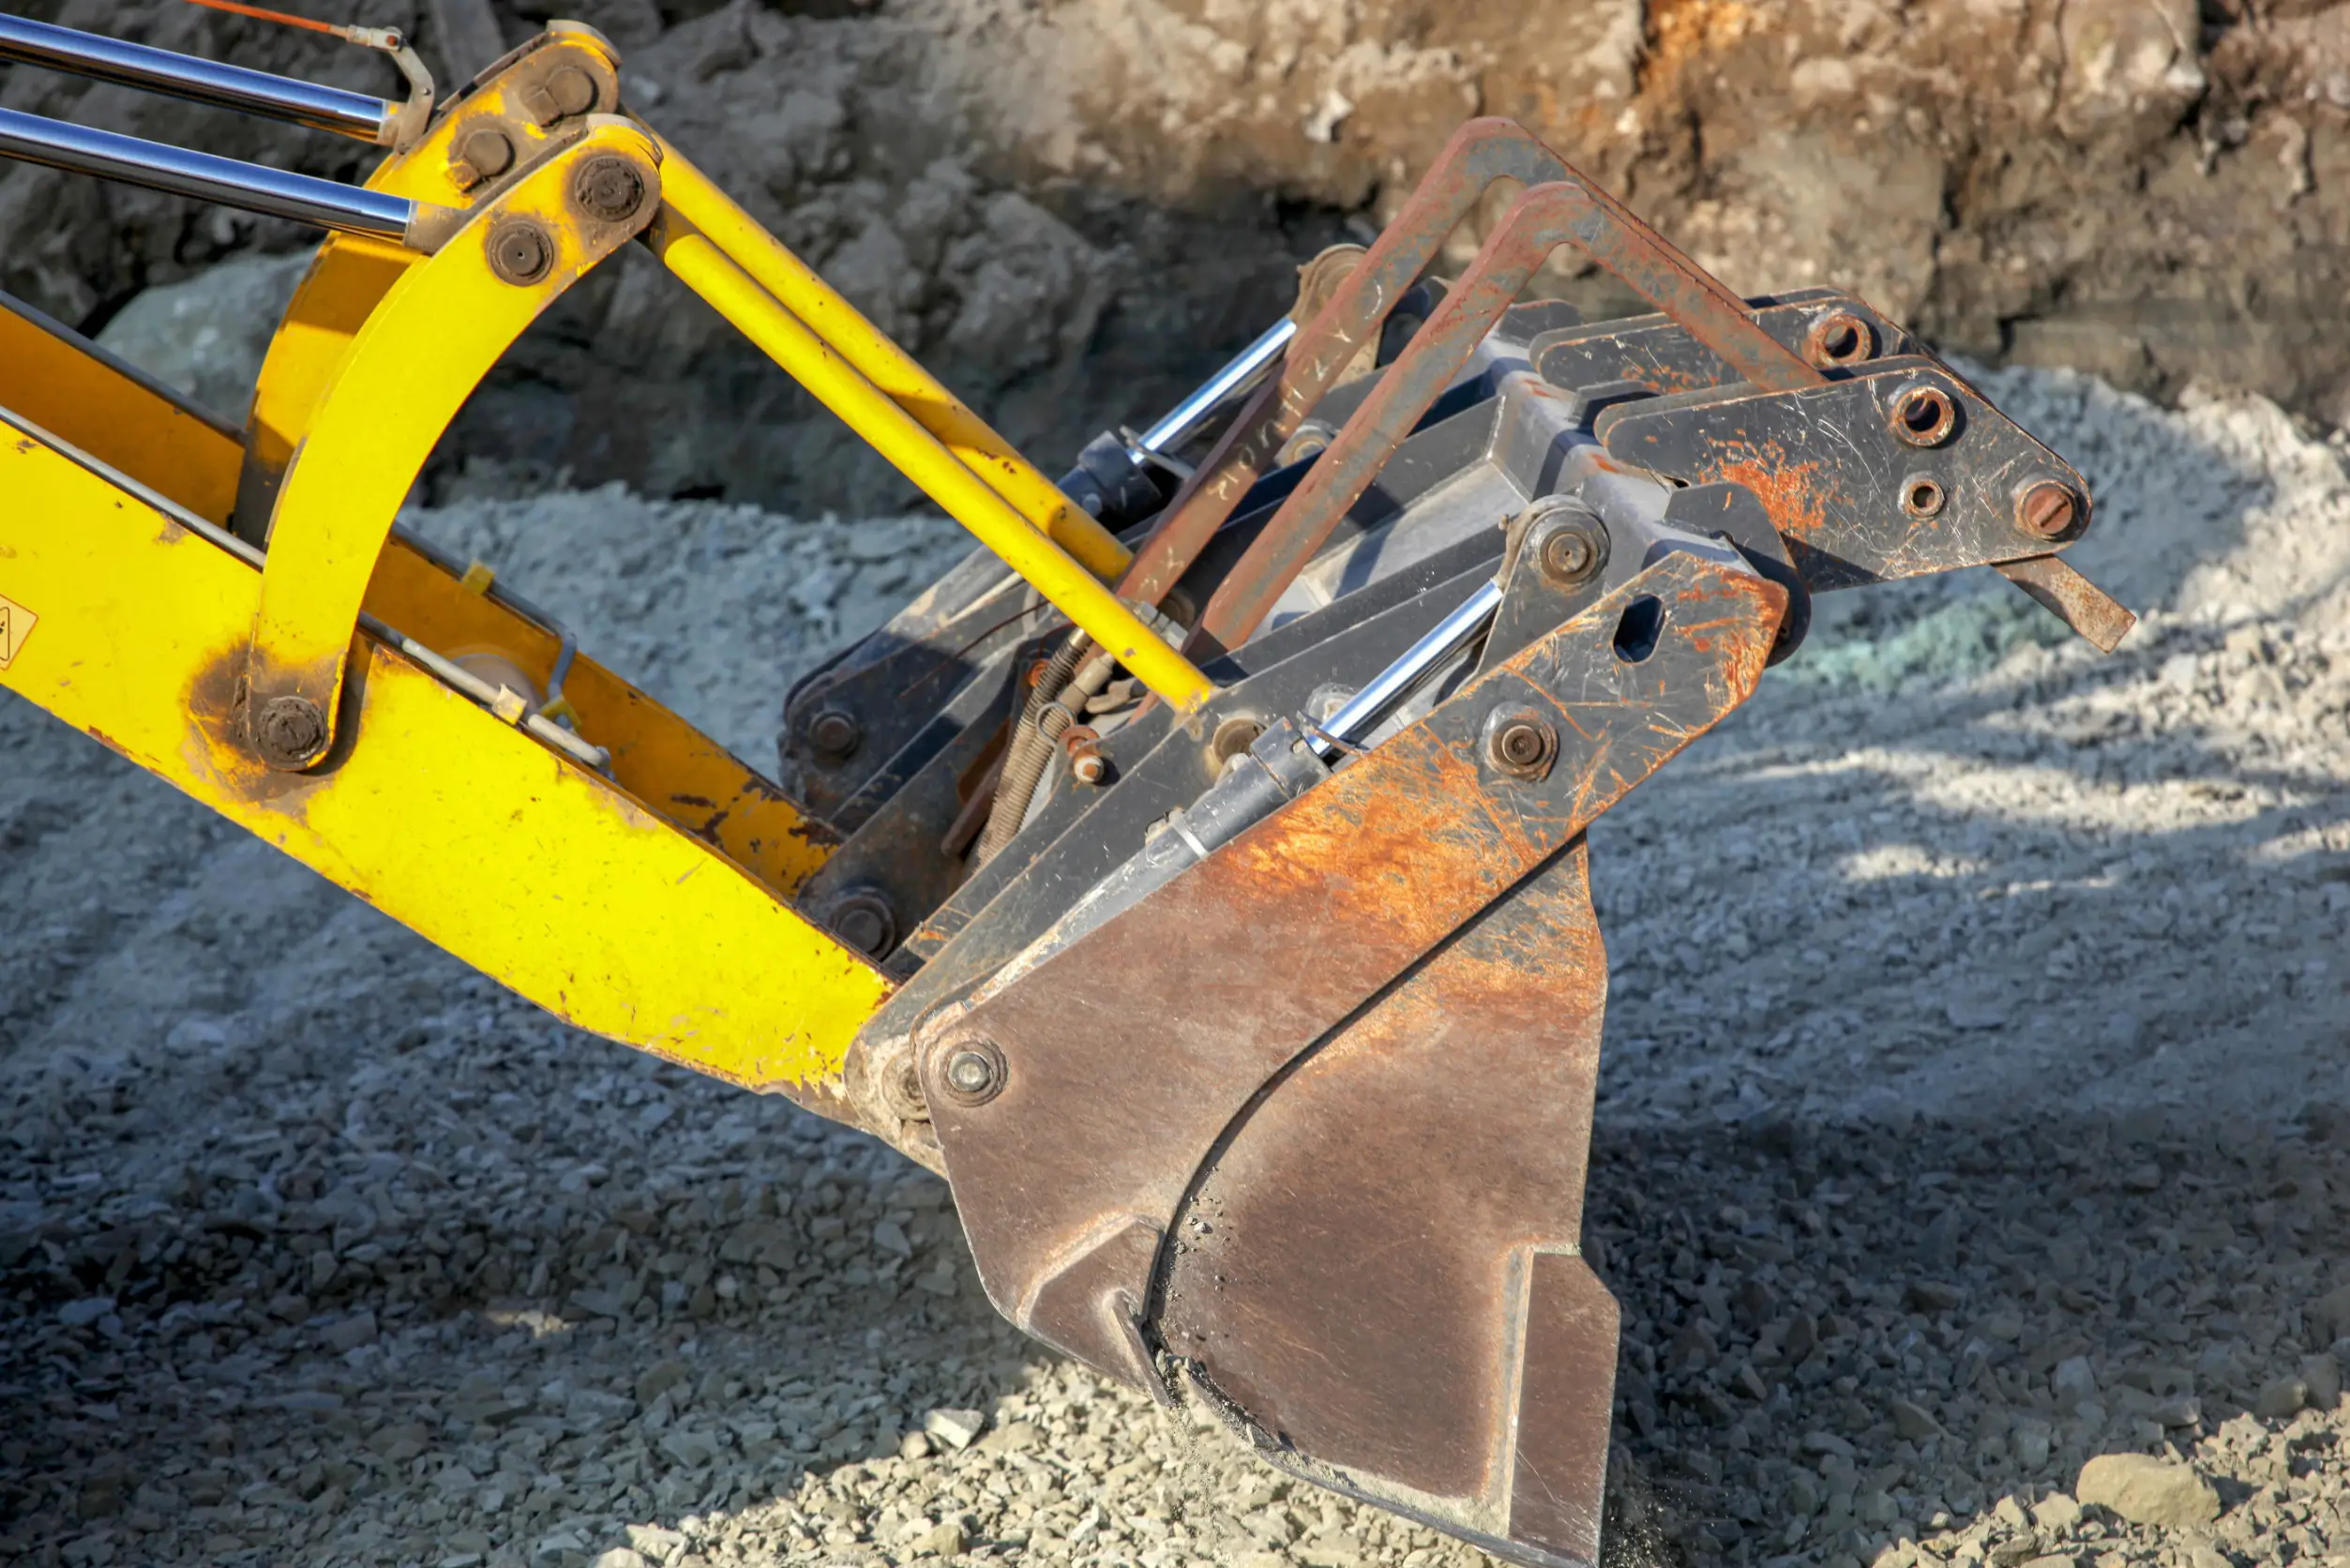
(214, 745)
(1405, 1160)
(2076, 601)
(1788, 489)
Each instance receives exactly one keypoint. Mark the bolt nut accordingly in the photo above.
(489, 149)
(835, 735)
(1570, 544)
(1232, 737)
(1923, 496)
(609, 189)
(1083, 743)
(971, 1072)
(521, 253)
(289, 731)
(897, 1084)
(1520, 743)
(571, 91)
(2046, 509)
(1310, 439)
(863, 919)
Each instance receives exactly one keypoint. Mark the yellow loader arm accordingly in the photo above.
(1199, 882)
(640, 887)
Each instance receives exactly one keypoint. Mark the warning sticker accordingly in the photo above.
(15, 624)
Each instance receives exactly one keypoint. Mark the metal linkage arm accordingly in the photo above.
(927, 436)
(1480, 152)
(868, 351)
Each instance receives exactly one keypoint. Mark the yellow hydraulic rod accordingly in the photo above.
(742, 240)
(921, 458)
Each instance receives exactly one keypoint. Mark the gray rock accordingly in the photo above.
(81, 1314)
(2073, 1382)
(955, 1428)
(2280, 1399)
(205, 336)
(945, 1540)
(350, 1333)
(1977, 1011)
(658, 1379)
(2330, 1313)
(654, 1542)
(2057, 1513)
(2148, 1491)
(1914, 1422)
(2321, 1374)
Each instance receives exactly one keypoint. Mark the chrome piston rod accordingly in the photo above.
(208, 81)
(250, 186)
(1246, 370)
(1361, 714)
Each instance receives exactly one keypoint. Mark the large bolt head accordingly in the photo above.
(973, 1071)
(289, 731)
(1565, 540)
(898, 1084)
(572, 90)
(488, 150)
(835, 735)
(1520, 743)
(521, 253)
(865, 921)
(1571, 553)
(2046, 509)
(609, 189)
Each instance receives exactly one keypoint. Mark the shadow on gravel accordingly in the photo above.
(507, 1371)
(1839, 1337)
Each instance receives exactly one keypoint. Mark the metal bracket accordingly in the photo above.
(1897, 473)
(1836, 333)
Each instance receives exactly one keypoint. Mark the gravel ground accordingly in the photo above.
(1971, 1112)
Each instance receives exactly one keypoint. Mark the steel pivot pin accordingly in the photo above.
(973, 1073)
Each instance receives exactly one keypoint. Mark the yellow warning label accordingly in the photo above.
(15, 624)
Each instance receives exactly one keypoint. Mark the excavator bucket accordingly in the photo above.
(1195, 876)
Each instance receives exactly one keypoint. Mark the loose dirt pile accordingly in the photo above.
(1971, 1109)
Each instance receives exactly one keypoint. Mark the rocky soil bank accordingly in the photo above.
(1072, 210)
